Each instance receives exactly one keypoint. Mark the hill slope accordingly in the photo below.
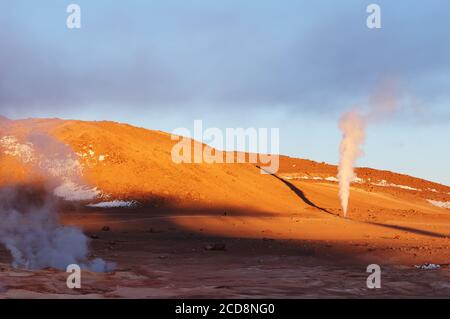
(125, 162)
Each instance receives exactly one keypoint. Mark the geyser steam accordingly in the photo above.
(29, 226)
(31, 232)
(382, 104)
(352, 126)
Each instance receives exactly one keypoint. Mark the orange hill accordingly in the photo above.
(127, 162)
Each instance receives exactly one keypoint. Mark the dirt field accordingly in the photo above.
(173, 254)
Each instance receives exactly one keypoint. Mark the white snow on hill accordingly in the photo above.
(114, 204)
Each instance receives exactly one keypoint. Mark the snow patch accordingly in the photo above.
(319, 178)
(114, 204)
(439, 204)
(357, 180)
(12, 147)
(428, 266)
(71, 191)
(384, 183)
(296, 177)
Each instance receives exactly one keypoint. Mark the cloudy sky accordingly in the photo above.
(297, 65)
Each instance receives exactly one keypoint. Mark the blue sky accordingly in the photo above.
(297, 65)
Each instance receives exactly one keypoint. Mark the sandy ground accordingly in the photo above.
(309, 254)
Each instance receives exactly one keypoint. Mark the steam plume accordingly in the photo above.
(29, 227)
(352, 126)
(31, 232)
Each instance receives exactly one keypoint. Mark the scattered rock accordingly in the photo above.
(215, 247)
(94, 236)
(106, 228)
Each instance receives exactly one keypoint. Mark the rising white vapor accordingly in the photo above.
(31, 232)
(352, 126)
(29, 227)
(382, 105)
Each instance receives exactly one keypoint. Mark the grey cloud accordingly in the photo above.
(303, 56)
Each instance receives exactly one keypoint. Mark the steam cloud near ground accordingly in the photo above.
(30, 228)
(32, 234)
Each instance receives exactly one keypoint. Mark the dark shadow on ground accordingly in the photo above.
(298, 192)
(411, 230)
(147, 230)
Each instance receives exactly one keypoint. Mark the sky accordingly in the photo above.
(294, 65)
